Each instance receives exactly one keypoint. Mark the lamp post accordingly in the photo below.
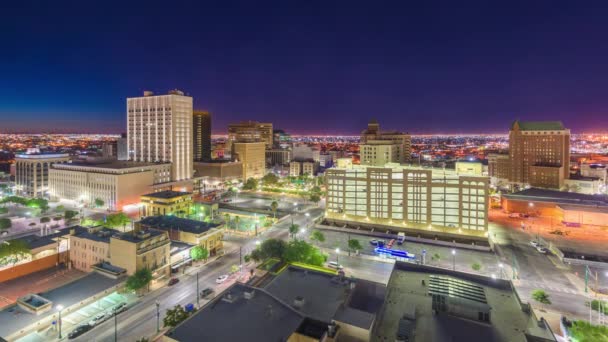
(338, 256)
(453, 259)
(115, 325)
(59, 308)
(502, 270)
(198, 296)
(307, 216)
(158, 316)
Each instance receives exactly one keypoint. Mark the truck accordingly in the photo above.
(400, 238)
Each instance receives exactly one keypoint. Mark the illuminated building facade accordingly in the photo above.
(32, 172)
(381, 147)
(251, 131)
(202, 135)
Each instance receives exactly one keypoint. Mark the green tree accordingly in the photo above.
(139, 280)
(234, 268)
(256, 255)
(5, 223)
(175, 316)
(541, 296)
(354, 245)
(293, 230)
(272, 248)
(45, 219)
(274, 206)
(314, 198)
(237, 221)
(3, 210)
(318, 236)
(99, 202)
(70, 214)
(117, 220)
(302, 251)
(199, 253)
(476, 266)
(250, 184)
(270, 179)
(227, 220)
(60, 208)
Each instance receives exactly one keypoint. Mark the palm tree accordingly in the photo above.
(236, 222)
(227, 219)
(293, 230)
(274, 206)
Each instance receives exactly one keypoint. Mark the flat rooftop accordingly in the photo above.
(167, 194)
(261, 318)
(167, 222)
(112, 165)
(99, 235)
(13, 318)
(142, 235)
(562, 197)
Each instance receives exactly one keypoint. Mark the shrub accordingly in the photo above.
(476, 266)
(541, 296)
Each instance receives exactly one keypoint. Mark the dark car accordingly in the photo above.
(206, 292)
(81, 329)
(173, 281)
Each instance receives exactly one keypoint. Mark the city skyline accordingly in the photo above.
(417, 69)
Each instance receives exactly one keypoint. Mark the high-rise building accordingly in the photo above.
(539, 155)
(250, 131)
(381, 147)
(109, 149)
(202, 135)
(122, 148)
(253, 157)
(32, 171)
(160, 130)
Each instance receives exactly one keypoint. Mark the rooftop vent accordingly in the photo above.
(229, 298)
(249, 294)
(298, 302)
(148, 93)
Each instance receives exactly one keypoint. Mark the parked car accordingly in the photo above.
(122, 307)
(333, 264)
(534, 243)
(373, 242)
(173, 281)
(97, 319)
(221, 278)
(541, 249)
(206, 292)
(81, 329)
(513, 215)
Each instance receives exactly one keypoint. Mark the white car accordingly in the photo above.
(97, 319)
(534, 243)
(221, 278)
(333, 264)
(541, 249)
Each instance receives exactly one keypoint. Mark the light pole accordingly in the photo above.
(502, 270)
(158, 316)
(453, 259)
(338, 256)
(197, 293)
(307, 216)
(59, 308)
(115, 325)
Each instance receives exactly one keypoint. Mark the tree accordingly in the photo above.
(234, 268)
(272, 248)
(199, 253)
(317, 235)
(314, 198)
(117, 220)
(99, 202)
(270, 179)
(293, 230)
(250, 184)
(256, 255)
(5, 223)
(237, 220)
(45, 219)
(247, 258)
(139, 279)
(227, 220)
(476, 266)
(354, 245)
(3, 210)
(302, 251)
(541, 296)
(70, 214)
(274, 206)
(60, 208)
(175, 316)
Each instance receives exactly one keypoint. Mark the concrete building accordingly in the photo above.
(32, 172)
(209, 235)
(201, 129)
(539, 155)
(595, 170)
(392, 145)
(583, 185)
(466, 167)
(109, 150)
(326, 160)
(166, 202)
(89, 246)
(253, 157)
(278, 156)
(159, 129)
(409, 198)
(250, 131)
(211, 176)
(295, 168)
(117, 183)
(499, 168)
(344, 163)
(142, 249)
(122, 147)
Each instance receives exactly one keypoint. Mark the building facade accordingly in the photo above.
(416, 198)
(278, 156)
(159, 129)
(253, 157)
(201, 129)
(117, 183)
(122, 148)
(374, 136)
(295, 168)
(167, 202)
(379, 152)
(32, 172)
(89, 246)
(142, 249)
(250, 131)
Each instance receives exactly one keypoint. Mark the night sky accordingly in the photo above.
(322, 67)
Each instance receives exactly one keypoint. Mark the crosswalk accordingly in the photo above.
(547, 287)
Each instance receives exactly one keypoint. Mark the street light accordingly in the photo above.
(337, 255)
(453, 259)
(59, 308)
(115, 324)
(158, 316)
(502, 270)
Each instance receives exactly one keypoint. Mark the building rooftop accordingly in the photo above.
(168, 222)
(555, 196)
(44, 155)
(95, 234)
(112, 165)
(140, 236)
(13, 318)
(261, 318)
(167, 194)
(178, 246)
(538, 125)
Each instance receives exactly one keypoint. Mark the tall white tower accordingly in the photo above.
(159, 129)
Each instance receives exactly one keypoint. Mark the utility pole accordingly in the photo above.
(157, 316)
(115, 325)
(240, 255)
(198, 296)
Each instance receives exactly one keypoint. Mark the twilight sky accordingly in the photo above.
(307, 66)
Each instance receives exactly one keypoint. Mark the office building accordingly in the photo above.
(167, 202)
(89, 247)
(409, 198)
(281, 139)
(250, 131)
(117, 183)
(201, 125)
(303, 152)
(122, 148)
(159, 129)
(326, 160)
(109, 149)
(141, 249)
(539, 155)
(378, 146)
(212, 176)
(253, 157)
(32, 171)
(295, 168)
(278, 157)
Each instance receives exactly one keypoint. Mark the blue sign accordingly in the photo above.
(189, 307)
(394, 253)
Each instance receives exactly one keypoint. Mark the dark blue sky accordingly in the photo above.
(308, 66)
